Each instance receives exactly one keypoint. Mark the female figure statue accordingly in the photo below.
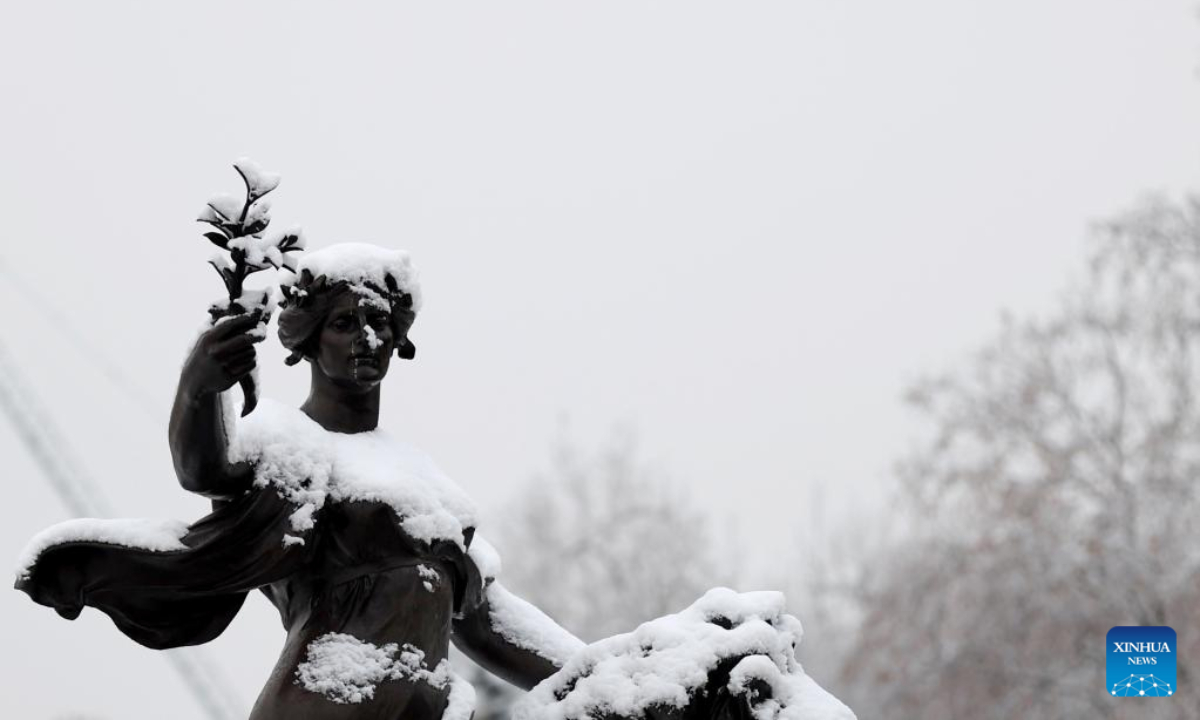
(365, 548)
(370, 553)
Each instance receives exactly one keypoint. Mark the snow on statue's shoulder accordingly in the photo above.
(289, 451)
(153, 535)
(358, 263)
(373, 466)
(667, 662)
(309, 466)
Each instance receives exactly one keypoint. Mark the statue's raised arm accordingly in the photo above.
(221, 358)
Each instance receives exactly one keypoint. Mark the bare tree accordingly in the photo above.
(1055, 497)
(601, 542)
(826, 571)
(604, 543)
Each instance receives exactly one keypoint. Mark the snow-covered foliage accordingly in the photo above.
(523, 625)
(259, 182)
(239, 228)
(364, 266)
(262, 301)
(667, 663)
(310, 466)
(269, 249)
(346, 669)
(155, 535)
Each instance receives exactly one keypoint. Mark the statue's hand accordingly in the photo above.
(223, 355)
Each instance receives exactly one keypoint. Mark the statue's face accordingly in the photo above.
(355, 343)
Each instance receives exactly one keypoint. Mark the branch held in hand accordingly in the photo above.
(239, 233)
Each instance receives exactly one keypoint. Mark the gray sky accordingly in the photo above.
(738, 229)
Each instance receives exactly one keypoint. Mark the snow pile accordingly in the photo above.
(360, 264)
(461, 703)
(485, 557)
(290, 453)
(429, 576)
(668, 662)
(345, 669)
(155, 535)
(778, 695)
(309, 466)
(525, 626)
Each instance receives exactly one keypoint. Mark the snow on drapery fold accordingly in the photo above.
(155, 535)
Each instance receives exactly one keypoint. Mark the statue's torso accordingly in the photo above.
(364, 581)
(367, 582)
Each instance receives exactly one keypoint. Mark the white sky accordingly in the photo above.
(739, 229)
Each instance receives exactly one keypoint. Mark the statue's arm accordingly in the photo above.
(199, 443)
(512, 639)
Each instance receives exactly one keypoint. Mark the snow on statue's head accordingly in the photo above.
(373, 291)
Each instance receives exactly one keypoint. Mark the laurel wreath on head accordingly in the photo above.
(301, 293)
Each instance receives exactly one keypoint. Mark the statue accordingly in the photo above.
(369, 552)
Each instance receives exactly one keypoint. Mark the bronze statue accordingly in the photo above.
(368, 552)
(355, 572)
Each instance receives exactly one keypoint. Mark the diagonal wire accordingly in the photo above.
(80, 342)
(48, 447)
(57, 460)
(55, 457)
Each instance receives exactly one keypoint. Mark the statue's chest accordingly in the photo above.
(375, 471)
(314, 468)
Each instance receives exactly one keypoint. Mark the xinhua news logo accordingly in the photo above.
(1141, 661)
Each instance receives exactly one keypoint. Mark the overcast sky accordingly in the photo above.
(739, 229)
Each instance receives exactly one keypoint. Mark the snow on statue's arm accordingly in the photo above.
(508, 636)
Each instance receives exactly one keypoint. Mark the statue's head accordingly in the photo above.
(348, 308)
